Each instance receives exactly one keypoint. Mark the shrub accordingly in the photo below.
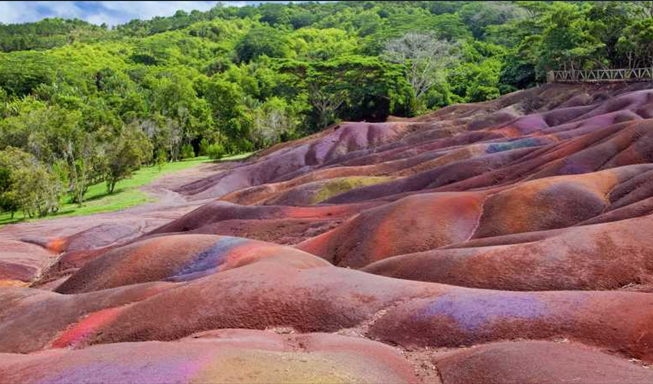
(216, 151)
(27, 184)
(204, 147)
(187, 151)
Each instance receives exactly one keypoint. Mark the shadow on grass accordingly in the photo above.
(96, 197)
(69, 209)
(8, 220)
(21, 219)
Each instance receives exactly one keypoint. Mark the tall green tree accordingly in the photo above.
(27, 184)
(427, 59)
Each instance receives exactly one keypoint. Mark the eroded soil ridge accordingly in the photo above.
(509, 241)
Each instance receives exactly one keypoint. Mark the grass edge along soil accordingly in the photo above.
(128, 192)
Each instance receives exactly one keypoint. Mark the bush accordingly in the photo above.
(27, 184)
(7, 201)
(187, 151)
(216, 151)
(204, 147)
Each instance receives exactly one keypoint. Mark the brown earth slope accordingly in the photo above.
(501, 242)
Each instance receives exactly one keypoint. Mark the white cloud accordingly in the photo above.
(98, 12)
(100, 18)
(14, 12)
(149, 9)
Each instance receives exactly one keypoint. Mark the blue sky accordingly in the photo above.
(98, 12)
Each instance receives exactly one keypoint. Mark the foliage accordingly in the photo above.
(636, 44)
(75, 96)
(425, 57)
(187, 151)
(274, 121)
(22, 72)
(482, 14)
(261, 41)
(125, 154)
(47, 33)
(27, 185)
(370, 88)
(215, 151)
(127, 193)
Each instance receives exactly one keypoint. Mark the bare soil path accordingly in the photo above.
(27, 248)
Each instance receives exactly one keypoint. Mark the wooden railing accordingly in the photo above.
(600, 75)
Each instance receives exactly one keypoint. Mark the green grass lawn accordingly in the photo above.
(127, 193)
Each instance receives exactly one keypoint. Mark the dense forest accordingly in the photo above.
(82, 104)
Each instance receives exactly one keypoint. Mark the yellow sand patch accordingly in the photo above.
(340, 185)
(276, 367)
(13, 283)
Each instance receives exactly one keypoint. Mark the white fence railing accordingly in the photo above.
(600, 75)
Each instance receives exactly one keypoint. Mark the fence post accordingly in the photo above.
(550, 77)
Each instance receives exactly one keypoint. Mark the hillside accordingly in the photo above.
(84, 105)
(421, 206)
(504, 241)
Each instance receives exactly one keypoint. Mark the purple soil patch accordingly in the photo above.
(474, 311)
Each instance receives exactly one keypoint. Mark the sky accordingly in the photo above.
(98, 12)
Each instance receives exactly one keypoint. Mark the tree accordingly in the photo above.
(22, 72)
(302, 18)
(51, 134)
(204, 147)
(372, 88)
(426, 58)
(516, 73)
(274, 14)
(244, 78)
(478, 15)
(187, 151)
(125, 154)
(325, 103)
(261, 41)
(8, 201)
(38, 190)
(66, 140)
(636, 44)
(642, 9)
(322, 44)
(176, 99)
(160, 159)
(229, 114)
(27, 184)
(605, 22)
(567, 43)
(272, 120)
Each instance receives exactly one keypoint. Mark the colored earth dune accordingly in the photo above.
(509, 241)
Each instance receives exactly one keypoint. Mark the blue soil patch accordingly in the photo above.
(208, 261)
(515, 144)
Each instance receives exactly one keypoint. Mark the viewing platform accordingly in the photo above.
(600, 75)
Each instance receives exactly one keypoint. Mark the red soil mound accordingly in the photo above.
(229, 356)
(278, 293)
(537, 362)
(177, 258)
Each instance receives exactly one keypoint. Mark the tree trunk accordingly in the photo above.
(112, 186)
